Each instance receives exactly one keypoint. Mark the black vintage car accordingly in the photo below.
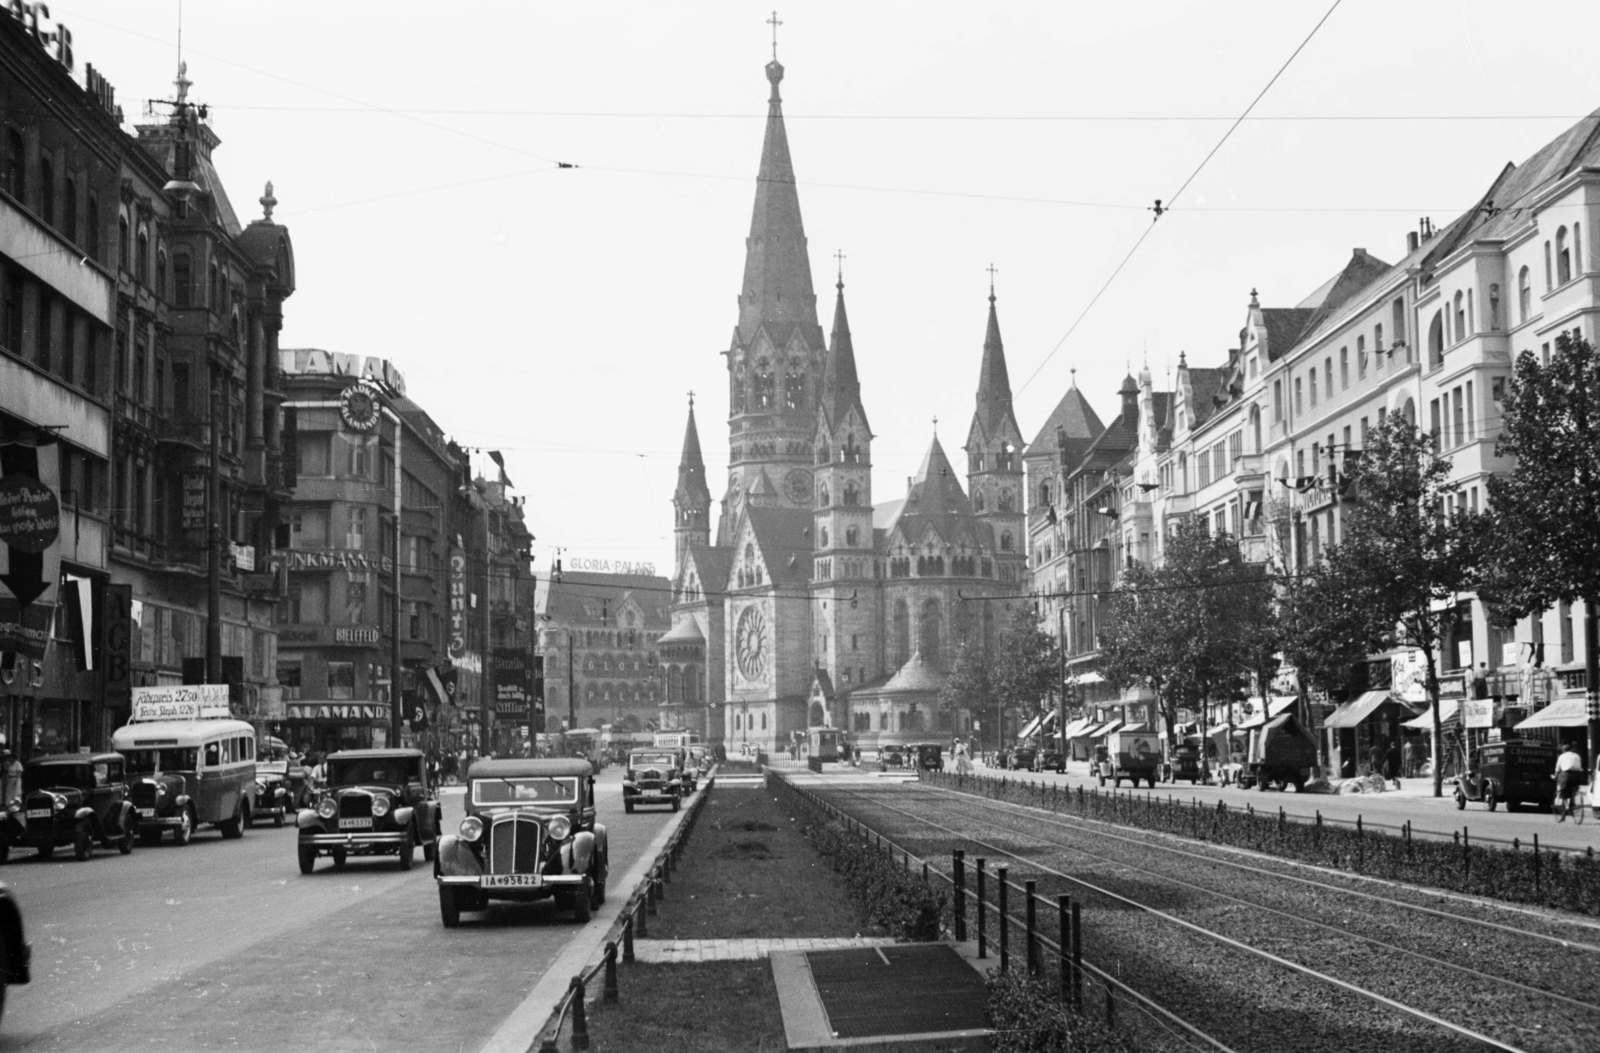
(16, 957)
(276, 794)
(1050, 760)
(654, 776)
(376, 802)
(529, 833)
(74, 799)
(1021, 758)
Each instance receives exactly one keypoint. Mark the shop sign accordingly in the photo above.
(244, 556)
(328, 636)
(341, 712)
(327, 364)
(610, 566)
(180, 702)
(336, 559)
(25, 630)
(29, 15)
(358, 408)
(30, 517)
(116, 645)
(458, 603)
(1408, 677)
(194, 501)
(1477, 713)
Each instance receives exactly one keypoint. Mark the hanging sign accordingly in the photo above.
(458, 603)
(30, 517)
(194, 501)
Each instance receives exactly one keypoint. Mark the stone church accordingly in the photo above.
(808, 601)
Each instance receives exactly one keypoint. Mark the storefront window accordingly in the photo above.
(341, 680)
(56, 730)
(289, 678)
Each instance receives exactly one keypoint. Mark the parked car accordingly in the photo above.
(74, 799)
(275, 794)
(1022, 758)
(1517, 772)
(1050, 760)
(529, 833)
(376, 802)
(700, 758)
(1186, 763)
(17, 960)
(1282, 752)
(927, 755)
(1132, 755)
(654, 776)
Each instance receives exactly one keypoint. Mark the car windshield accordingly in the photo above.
(356, 771)
(639, 760)
(48, 776)
(151, 761)
(525, 789)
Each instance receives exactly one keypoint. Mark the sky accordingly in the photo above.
(562, 315)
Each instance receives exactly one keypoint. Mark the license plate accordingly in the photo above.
(508, 881)
(355, 824)
(147, 813)
(38, 813)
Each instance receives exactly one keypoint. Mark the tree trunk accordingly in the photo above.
(1591, 675)
(1438, 735)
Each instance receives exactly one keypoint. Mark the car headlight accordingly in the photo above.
(380, 807)
(161, 789)
(326, 807)
(558, 827)
(57, 801)
(471, 828)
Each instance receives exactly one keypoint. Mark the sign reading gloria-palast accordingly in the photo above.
(180, 702)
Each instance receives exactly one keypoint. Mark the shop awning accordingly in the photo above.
(1349, 714)
(1078, 728)
(1566, 713)
(1140, 726)
(1030, 727)
(1090, 677)
(1106, 729)
(1448, 709)
(1275, 707)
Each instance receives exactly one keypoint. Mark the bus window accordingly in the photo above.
(247, 749)
(213, 755)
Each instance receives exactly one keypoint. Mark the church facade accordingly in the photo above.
(808, 600)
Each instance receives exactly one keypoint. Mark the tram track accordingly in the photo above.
(1475, 1002)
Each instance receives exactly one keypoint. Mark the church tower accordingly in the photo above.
(994, 458)
(777, 352)
(691, 501)
(844, 601)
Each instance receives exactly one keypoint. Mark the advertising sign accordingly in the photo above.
(1477, 713)
(335, 559)
(194, 501)
(339, 712)
(30, 517)
(458, 603)
(512, 678)
(25, 630)
(180, 702)
(116, 645)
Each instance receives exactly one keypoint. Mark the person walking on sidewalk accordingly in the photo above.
(1569, 776)
(1391, 765)
(1375, 758)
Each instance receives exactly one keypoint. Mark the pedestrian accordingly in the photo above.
(1413, 758)
(1375, 758)
(963, 761)
(1391, 765)
(1569, 776)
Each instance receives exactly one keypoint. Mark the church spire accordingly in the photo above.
(777, 288)
(692, 499)
(994, 412)
(841, 387)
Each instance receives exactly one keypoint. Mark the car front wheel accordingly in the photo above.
(308, 859)
(449, 907)
(82, 842)
(130, 833)
(408, 851)
(185, 828)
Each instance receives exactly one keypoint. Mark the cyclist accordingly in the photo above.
(1569, 779)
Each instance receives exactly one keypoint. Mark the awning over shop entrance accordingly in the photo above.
(1567, 713)
(1030, 727)
(1449, 709)
(1079, 729)
(1349, 714)
(1105, 729)
(1275, 706)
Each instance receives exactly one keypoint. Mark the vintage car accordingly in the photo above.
(275, 793)
(184, 773)
(1281, 753)
(72, 799)
(700, 758)
(1132, 755)
(654, 776)
(376, 802)
(529, 833)
(1021, 758)
(16, 956)
(1050, 760)
(1516, 771)
(928, 756)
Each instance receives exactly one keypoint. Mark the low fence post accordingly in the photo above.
(627, 940)
(958, 868)
(580, 1019)
(1077, 956)
(1033, 954)
(1002, 886)
(982, 907)
(1537, 865)
(611, 971)
(642, 912)
(1064, 938)
(661, 887)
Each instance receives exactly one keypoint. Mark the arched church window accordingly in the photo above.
(794, 389)
(738, 398)
(823, 496)
(852, 496)
(1044, 494)
(1005, 500)
(978, 503)
(851, 536)
(1002, 457)
(764, 383)
(823, 453)
(851, 452)
(902, 633)
(1006, 542)
(930, 632)
(823, 537)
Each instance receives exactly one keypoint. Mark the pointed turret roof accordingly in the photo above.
(692, 467)
(936, 499)
(841, 387)
(777, 291)
(1074, 418)
(994, 414)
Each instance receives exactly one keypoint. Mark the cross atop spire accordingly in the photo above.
(691, 399)
(182, 82)
(774, 23)
(839, 258)
(991, 269)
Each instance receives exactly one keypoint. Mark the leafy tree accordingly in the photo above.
(1540, 537)
(969, 685)
(1321, 634)
(1139, 641)
(1025, 665)
(1399, 557)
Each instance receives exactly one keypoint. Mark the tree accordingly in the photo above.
(1321, 635)
(1540, 536)
(969, 685)
(1025, 665)
(1400, 559)
(1139, 642)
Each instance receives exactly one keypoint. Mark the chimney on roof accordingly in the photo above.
(1411, 242)
(1359, 254)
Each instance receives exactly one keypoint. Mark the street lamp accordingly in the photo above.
(486, 679)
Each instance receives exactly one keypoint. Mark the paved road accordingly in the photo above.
(1429, 816)
(224, 945)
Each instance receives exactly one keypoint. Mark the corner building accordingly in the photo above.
(816, 604)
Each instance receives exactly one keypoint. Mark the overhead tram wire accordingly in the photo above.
(1160, 210)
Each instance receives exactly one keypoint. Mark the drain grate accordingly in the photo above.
(922, 988)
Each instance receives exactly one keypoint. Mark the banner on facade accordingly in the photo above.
(194, 501)
(512, 679)
(180, 702)
(116, 645)
(458, 603)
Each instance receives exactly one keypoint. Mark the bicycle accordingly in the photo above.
(1576, 806)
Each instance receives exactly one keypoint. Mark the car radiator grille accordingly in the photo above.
(651, 776)
(355, 806)
(142, 794)
(514, 846)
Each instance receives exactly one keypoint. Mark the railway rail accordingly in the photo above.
(1383, 954)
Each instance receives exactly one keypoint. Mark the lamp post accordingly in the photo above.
(214, 542)
(486, 679)
(396, 703)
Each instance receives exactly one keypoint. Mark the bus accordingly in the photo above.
(185, 773)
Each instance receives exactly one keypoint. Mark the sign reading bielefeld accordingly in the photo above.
(180, 702)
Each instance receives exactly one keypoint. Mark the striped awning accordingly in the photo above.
(1448, 708)
(1566, 713)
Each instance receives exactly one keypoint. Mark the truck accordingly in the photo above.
(1131, 755)
(1281, 752)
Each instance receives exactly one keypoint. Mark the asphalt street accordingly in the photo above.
(224, 945)
(1429, 816)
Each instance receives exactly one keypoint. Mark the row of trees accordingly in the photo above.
(1203, 624)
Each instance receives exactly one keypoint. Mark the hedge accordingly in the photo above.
(1028, 1015)
(1549, 878)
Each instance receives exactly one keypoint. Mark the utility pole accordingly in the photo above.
(214, 541)
(396, 703)
(486, 713)
(1061, 698)
(572, 694)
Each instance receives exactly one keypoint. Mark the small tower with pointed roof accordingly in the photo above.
(994, 455)
(691, 501)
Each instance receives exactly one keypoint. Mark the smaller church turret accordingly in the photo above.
(691, 501)
(994, 455)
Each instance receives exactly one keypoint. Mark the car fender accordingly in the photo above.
(583, 848)
(127, 816)
(603, 848)
(181, 801)
(308, 819)
(402, 816)
(455, 858)
(85, 812)
(429, 824)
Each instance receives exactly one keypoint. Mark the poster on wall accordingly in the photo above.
(194, 501)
